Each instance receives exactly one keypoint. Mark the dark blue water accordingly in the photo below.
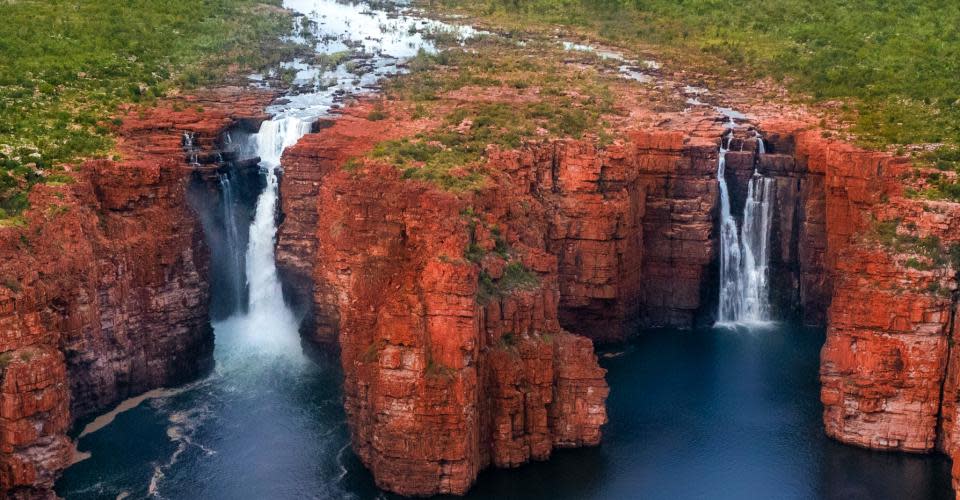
(702, 414)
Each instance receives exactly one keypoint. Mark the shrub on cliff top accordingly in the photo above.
(930, 248)
(556, 102)
(515, 277)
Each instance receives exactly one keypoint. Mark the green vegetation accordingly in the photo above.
(372, 352)
(66, 65)
(377, 114)
(941, 185)
(931, 251)
(11, 284)
(515, 277)
(474, 252)
(508, 340)
(552, 102)
(894, 65)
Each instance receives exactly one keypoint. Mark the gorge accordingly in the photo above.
(329, 322)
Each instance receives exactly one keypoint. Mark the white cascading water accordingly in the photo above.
(233, 241)
(269, 326)
(267, 403)
(744, 254)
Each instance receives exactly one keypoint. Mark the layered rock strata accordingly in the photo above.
(618, 237)
(452, 362)
(888, 379)
(104, 292)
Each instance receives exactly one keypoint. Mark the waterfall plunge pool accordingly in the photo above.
(712, 413)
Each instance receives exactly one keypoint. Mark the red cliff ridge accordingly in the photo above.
(888, 368)
(441, 383)
(451, 364)
(889, 269)
(104, 292)
(448, 367)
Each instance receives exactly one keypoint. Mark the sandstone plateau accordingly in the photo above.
(442, 380)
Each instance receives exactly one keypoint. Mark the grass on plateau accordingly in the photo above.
(548, 101)
(67, 64)
(893, 66)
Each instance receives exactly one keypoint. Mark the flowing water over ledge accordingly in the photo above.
(719, 413)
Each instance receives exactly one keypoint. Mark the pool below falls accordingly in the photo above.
(714, 413)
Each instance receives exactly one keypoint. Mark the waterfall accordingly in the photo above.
(745, 254)
(729, 244)
(755, 242)
(236, 270)
(190, 148)
(269, 325)
(277, 135)
(265, 291)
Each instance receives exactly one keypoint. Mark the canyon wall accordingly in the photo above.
(445, 371)
(104, 292)
(446, 311)
(453, 311)
(617, 238)
(889, 268)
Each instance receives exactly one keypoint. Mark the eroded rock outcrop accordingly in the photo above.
(104, 292)
(452, 362)
(888, 379)
(439, 383)
(618, 237)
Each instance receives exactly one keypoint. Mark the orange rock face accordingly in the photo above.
(443, 377)
(888, 368)
(443, 380)
(104, 292)
(456, 360)
(439, 385)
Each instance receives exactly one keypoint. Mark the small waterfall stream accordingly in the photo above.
(235, 260)
(744, 254)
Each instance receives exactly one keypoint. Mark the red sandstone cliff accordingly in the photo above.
(448, 369)
(888, 369)
(103, 292)
(450, 365)
(618, 237)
